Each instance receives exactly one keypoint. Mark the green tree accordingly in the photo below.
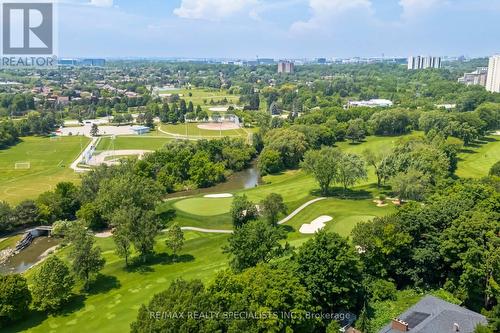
(351, 169)
(175, 238)
(330, 269)
(411, 185)
(254, 242)
(15, 298)
(324, 165)
(123, 245)
(271, 207)
(203, 172)
(385, 247)
(495, 169)
(262, 290)
(128, 190)
(242, 210)
(356, 130)
(90, 215)
(87, 259)
(380, 163)
(140, 227)
(270, 162)
(181, 297)
(5, 216)
(290, 144)
(94, 130)
(52, 285)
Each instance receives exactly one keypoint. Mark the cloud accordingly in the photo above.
(212, 9)
(324, 10)
(101, 3)
(412, 8)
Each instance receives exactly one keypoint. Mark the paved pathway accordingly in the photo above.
(101, 158)
(226, 231)
(286, 219)
(74, 165)
(298, 210)
(208, 231)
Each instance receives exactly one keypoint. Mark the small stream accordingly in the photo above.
(248, 178)
(28, 257)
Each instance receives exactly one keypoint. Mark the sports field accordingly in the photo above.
(192, 131)
(133, 142)
(49, 164)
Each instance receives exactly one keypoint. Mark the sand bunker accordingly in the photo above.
(315, 225)
(219, 109)
(218, 126)
(380, 203)
(220, 195)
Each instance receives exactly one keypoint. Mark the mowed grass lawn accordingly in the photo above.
(49, 159)
(192, 130)
(133, 142)
(113, 302)
(477, 160)
(204, 206)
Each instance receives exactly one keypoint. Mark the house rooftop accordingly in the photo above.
(432, 315)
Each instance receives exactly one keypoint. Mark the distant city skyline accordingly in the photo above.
(277, 29)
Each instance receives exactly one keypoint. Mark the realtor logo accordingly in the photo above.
(28, 33)
(28, 28)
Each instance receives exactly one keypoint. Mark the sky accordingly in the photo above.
(277, 28)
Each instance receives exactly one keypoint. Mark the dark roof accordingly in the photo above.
(432, 315)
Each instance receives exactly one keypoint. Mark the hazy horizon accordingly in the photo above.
(276, 28)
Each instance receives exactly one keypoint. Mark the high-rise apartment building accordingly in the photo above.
(420, 62)
(287, 67)
(493, 80)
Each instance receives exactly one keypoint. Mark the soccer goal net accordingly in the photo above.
(22, 165)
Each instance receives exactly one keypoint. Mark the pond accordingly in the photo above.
(28, 257)
(248, 178)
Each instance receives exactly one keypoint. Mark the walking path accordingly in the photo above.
(101, 158)
(74, 165)
(298, 210)
(208, 231)
(286, 219)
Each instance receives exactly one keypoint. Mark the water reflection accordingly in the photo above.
(248, 178)
(22, 261)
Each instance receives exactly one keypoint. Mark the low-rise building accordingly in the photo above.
(477, 77)
(372, 103)
(433, 315)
